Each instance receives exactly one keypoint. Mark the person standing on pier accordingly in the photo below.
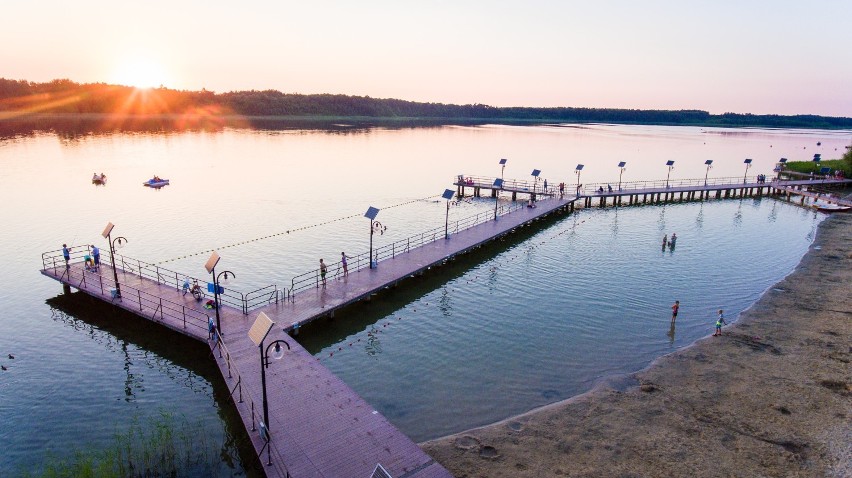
(344, 264)
(66, 253)
(545, 185)
(96, 256)
(323, 272)
(675, 308)
(561, 189)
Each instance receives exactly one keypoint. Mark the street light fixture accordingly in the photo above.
(577, 172)
(621, 166)
(498, 185)
(107, 235)
(535, 173)
(258, 332)
(217, 289)
(670, 164)
(709, 164)
(502, 167)
(448, 195)
(747, 162)
(781, 163)
(374, 227)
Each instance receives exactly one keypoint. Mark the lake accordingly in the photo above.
(538, 317)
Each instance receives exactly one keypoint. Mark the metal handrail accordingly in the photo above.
(592, 188)
(360, 261)
(510, 185)
(163, 307)
(160, 275)
(233, 370)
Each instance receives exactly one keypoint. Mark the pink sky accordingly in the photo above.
(760, 57)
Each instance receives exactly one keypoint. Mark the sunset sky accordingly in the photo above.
(784, 57)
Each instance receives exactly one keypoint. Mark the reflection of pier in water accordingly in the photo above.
(318, 425)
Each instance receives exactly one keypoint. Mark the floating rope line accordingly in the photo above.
(370, 342)
(289, 231)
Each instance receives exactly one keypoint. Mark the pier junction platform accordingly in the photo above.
(318, 426)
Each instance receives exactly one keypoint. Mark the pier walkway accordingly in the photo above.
(318, 425)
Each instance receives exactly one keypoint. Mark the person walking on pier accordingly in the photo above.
(561, 190)
(675, 308)
(344, 264)
(66, 253)
(719, 322)
(323, 272)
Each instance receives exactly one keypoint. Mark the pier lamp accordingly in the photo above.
(781, 163)
(448, 195)
(577, 172)
(107, 234)
(257, 333)
(621, 166)
(375, 226)
(747, 162)
(217, 289)
(535, 173)
(503, 167)
(670, 164)
(498, 185)
(709, 164)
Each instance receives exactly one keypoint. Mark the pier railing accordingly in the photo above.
(81, 278)
(236, 394)
(509, 185)
(313, 279)
(164, 276)
(593, 188)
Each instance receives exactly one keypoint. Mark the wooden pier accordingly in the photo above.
(318, 425)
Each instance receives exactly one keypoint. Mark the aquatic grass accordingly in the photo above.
(811, 166)
(163, 445)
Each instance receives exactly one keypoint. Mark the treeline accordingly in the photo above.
(65, 96)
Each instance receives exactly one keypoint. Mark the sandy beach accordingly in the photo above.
(771, 397)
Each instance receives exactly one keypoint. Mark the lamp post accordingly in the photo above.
(498, 185)
(781, 163)
(747, 162)
(577, 172)
(709, 164)
(622, 168)
(502, 167)
(535, 173)
(371, 215)
(211, 269)
(258, 332)
(448, 194)
(670, 164)
(107, 234)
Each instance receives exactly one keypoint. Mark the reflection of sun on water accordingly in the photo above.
(139, 72)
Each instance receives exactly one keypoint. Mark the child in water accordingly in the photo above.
(719, 322)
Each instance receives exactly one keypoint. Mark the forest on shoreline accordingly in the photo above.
(58, 98)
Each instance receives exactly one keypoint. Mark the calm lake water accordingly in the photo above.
(534, 319)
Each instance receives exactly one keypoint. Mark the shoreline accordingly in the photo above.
(768, 398)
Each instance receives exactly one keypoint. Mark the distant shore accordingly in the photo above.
(771, 397)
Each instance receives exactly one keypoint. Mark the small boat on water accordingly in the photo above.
(99, 179)
(823, 206)
(156, 182)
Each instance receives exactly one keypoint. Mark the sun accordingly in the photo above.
(140, 73)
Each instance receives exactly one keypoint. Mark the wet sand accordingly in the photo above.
(772, 397)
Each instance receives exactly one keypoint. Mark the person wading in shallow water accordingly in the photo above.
(719, 323)
(675, 308)
(323, 272)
